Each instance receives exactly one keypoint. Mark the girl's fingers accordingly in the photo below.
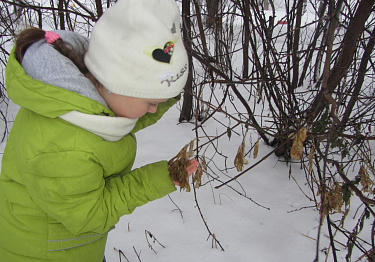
(194, 162)
(191, 170)
(192, 167)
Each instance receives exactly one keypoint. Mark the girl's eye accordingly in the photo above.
(153, 104)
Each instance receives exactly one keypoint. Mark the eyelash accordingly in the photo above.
(153, 104)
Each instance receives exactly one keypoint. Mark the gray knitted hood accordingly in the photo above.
(43, 62)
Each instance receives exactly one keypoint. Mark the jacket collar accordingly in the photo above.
(109, 128)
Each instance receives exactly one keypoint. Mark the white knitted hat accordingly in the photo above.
(136, 49)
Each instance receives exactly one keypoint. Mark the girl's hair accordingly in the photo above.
(31, 35)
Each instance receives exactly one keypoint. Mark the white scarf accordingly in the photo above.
(109, 128)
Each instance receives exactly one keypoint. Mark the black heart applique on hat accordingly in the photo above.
(164, 55)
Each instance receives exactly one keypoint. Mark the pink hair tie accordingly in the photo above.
(51, 37)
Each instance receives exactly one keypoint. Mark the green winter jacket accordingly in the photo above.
(62, 188)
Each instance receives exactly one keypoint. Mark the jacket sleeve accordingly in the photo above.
(150, 119)
(69, 186)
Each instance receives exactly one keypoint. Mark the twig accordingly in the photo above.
(318, 239)
(251, 167)
(121, 253)
(308, 237)
(36, 7)
(347, 235)
(138, 255)
(370, 253)
(178, 208)
(241, 194)
(214, 239)
(331, 238)
(365, 200)
(149, 234)
(299, 209)
(325, 236)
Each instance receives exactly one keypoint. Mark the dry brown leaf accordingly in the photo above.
(366, 182)
(190, 153)
(332, 199)
(239, 159)
(297, 147)
(302, 134)
(197, 179)
(178, 164)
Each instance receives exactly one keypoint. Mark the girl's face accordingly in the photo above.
(127, 106)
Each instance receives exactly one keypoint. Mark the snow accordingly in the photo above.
(281, 225)
(246, 231)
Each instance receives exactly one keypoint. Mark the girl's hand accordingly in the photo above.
(191, 168)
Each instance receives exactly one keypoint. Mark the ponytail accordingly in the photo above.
(25, 39)
(31, 35)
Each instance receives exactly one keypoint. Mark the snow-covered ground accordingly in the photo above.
(246, 231)
(284, 229)
(279, 225)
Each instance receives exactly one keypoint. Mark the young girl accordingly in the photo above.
(67, 175)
